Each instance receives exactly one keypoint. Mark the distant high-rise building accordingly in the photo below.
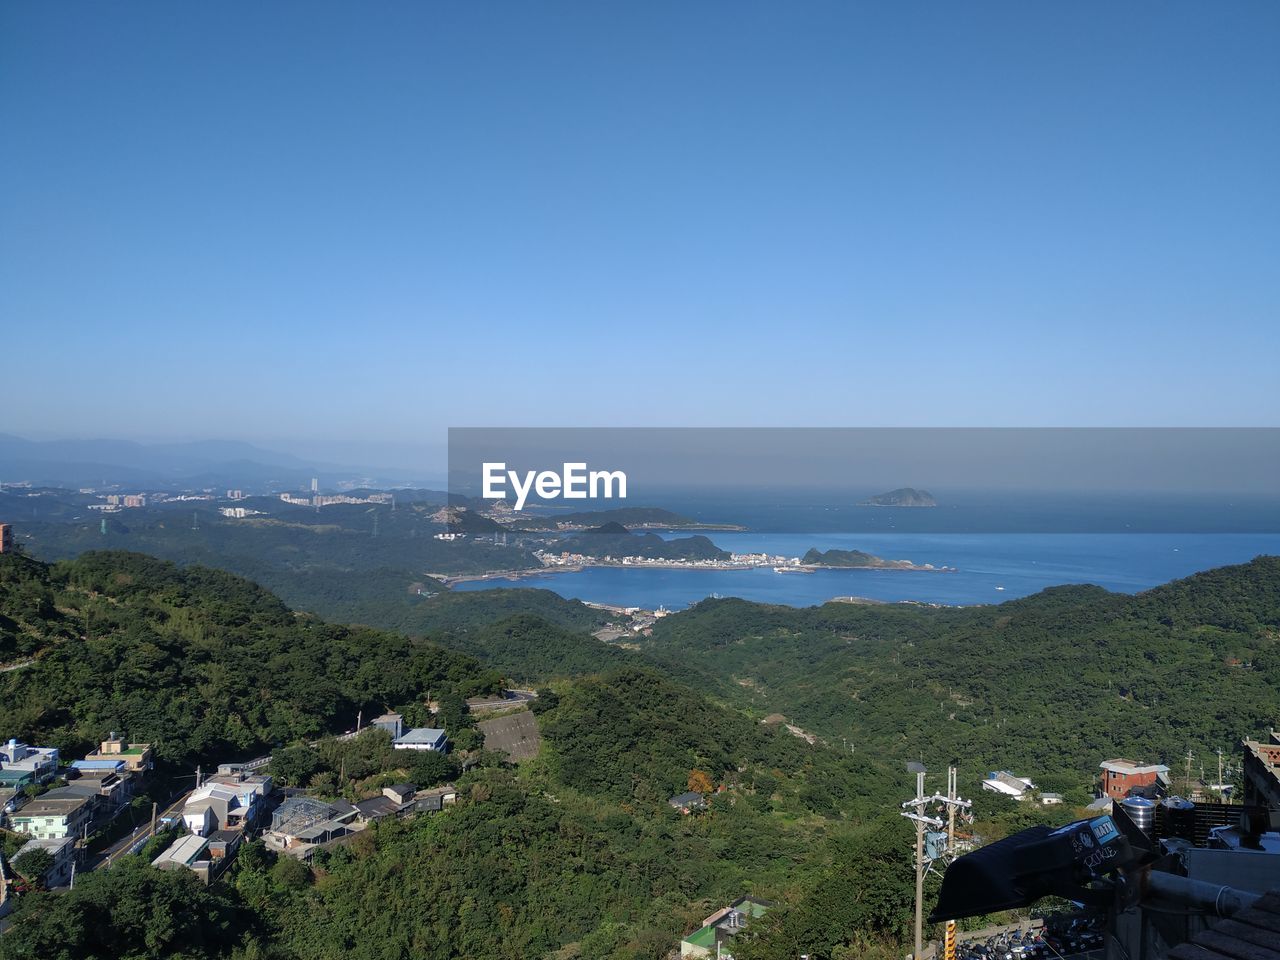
(235, 495)
(315, 484)
(6, 538)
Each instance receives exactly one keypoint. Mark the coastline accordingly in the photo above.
(450, 580)
(884, 565)
(663, 527)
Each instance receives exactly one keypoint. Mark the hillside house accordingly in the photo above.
(1007, 784)
(689, 802)
(226, 801)
(136, 757)
(302, 823)
(714, 938)
(35, 764)
(188, 852)
(403, 799)
(1262, 774)
(422, 738)
(393, 723)
(1119, 777)
(48, 817)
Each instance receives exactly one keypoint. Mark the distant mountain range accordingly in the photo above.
(192, 465)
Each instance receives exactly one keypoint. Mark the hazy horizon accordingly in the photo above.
(658, 461)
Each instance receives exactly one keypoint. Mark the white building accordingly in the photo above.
(421, 738)
(1004, 782)
(40, 762)
(226, 801)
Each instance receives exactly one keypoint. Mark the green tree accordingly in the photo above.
(429, 767)
(34, 864)
(130, 911)
(294, 766)
(548, 699)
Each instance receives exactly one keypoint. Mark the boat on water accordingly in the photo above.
(791, 570)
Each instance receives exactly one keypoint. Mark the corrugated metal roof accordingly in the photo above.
(97, 764)
(1252, 934)
(185, 850)
(421, 735)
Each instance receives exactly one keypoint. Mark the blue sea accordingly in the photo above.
(990, 567)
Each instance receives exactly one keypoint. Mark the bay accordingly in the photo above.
(990, 567)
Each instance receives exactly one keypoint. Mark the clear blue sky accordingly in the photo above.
(362, 223)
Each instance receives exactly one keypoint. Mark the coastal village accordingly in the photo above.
(61, 812)
(68, 816)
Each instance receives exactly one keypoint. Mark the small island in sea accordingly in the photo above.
(613, 540)
(830, 559)
(902, 497)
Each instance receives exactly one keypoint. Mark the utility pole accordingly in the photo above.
(197, 778)
(153, 818)
(1190, 757)
(914, 810)
(951, 810)
(359, 719)
(949, 944)
(952, 801)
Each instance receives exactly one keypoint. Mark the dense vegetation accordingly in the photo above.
(351, 560)
(198, 662)
(525, 647)
(129, 911)
(576, 853)
(518, 872)
(372, 565)
(1050, 684)
(456, 613)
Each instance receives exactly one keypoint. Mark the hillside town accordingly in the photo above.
(75, 812)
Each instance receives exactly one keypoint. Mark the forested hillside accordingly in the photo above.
(575, 854)
(350, 564)
(1052, 683)
(528, 648)
(196, 661)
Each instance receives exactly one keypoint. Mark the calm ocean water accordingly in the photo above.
(991, 567)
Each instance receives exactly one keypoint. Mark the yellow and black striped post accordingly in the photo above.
(949, 944)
